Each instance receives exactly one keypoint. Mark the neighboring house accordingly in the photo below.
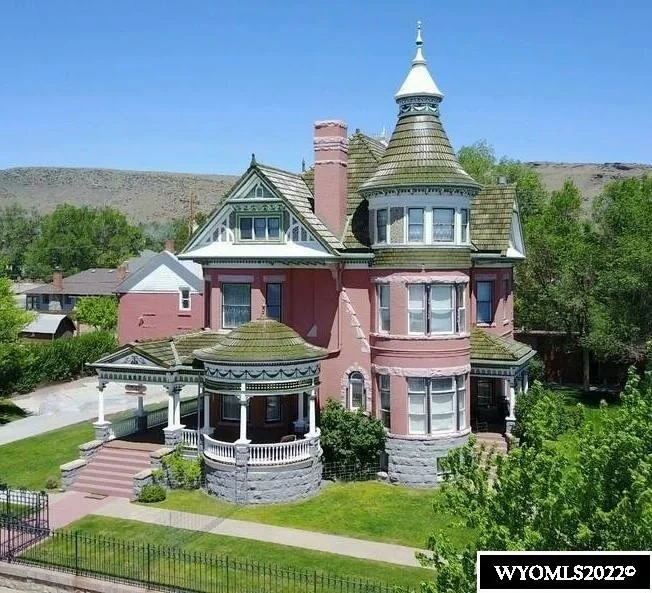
(62, 293)
(49, 326)
(381, 277)
(163, 298)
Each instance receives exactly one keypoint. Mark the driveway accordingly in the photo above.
(60, 405)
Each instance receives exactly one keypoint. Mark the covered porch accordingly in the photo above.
(499, 373)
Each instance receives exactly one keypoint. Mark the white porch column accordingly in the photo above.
(177, 406)
(170, 407)
(312, 422)
(100, 403)
(244, 399)
(207, 413)
(526, 382)
(511, 419)
(102, 426)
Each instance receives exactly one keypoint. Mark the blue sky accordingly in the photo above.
(198, 86)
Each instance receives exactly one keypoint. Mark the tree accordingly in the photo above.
(538, 498)
(72, 239)
(18, 228)
(12, 318)
(101, 312)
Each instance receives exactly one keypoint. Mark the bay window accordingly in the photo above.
(383, 308)
(465, 225)
(415, 225)
(436, 309)
(236, 305)
(381, 226)
(436, 405)
(443, 225)
(384, 391)
(485, 301)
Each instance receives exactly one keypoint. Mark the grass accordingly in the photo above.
(365, 510)
(29, 463)
(10, 411)
(195, 572)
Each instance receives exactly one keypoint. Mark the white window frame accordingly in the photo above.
(228, 399)
(384, 392)
(465, 225)
(492, 300)
(457, 310)
(182, 290)
(254, 218)
(385, 211)
(413, 390)
(434, 392)
(358, 378)
(462, 387)
(422, 224)
(413, 310)
(382, 327)
(434, 225)
(460, 307)
(224, 284)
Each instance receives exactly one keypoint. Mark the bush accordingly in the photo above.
(180, 472)
(152, 493)
(24, 366)
(51, 483)
(349, 439)
(536, 369)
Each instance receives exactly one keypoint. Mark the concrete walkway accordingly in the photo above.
(56, 406)
(334, 544)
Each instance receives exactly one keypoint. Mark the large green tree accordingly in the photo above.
(72, 239)
(540, 498)
(12, 318)
(18, 228)
(101, 312)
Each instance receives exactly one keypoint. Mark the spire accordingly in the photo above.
(419, 82)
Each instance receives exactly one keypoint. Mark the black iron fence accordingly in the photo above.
(170, 569)
(24, 519)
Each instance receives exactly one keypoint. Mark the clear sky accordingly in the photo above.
(198, 86)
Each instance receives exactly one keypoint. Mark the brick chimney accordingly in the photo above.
(122, 272)
(331, 156)
(169, 245)
(57, 279)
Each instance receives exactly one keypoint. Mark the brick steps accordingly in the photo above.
(111, 471)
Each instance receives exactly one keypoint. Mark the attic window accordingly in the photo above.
(259, 191)
(260, 228)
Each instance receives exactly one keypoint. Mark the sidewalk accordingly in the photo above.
(70, 508)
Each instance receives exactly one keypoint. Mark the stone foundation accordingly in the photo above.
(102, 431)
(257, 485)
(412, 461)
(70, 472)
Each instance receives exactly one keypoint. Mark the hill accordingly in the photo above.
(153, 196)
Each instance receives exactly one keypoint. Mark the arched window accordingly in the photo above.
(356, 397)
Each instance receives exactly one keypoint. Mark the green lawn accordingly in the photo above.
(271, 567)
(10, 411)
(365, 510)
(28, 463)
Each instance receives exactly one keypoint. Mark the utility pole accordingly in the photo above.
(191, 201)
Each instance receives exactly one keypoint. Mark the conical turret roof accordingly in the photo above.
(419, 153)
(262, 340)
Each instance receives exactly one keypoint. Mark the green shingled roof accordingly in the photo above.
(418, 154)
(262, 340)
(176, 350)
(422, 257)
(491, 217)
(490, 347)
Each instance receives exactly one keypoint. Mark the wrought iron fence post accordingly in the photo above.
(227, 575)
(149, 580)
(76, 553)
(314, 578)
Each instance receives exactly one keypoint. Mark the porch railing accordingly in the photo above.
(157, 417)
(124, 426)
(279, 453)
(189, 438)
(219, 450)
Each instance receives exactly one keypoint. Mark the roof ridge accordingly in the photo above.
(173, 347)
(279, 170)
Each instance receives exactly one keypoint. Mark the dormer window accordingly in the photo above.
(259, 228)
(381, 226)
(443, 225)
(259, 191)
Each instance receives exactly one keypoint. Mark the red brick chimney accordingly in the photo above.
(57, 279)
(169, 245)
(331, 156)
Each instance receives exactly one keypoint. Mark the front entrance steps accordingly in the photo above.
(491, 440)
(112, 470)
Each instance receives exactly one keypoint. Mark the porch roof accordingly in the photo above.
(488, 349)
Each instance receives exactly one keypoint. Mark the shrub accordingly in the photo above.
(182, 473)
(52, 483)
(152, 493)
(350, 440)
(536, 369)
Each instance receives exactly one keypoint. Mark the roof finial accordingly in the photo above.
(253, 159)
(303, 165)
(419, 40)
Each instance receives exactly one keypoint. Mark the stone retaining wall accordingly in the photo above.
(70, 472)
(88, 450)
(413, 461)
(142, 479)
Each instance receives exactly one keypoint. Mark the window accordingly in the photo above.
(260, 228)
(383, 308)
(415, 225)
(485, 395)
(485, 301)
(381, 226)
(436, 309)
(384, 390)
(436, 405)
(273, 408)
(356, 394)
(274, 301)
(230, 407)
(236, 305)
(443, 225)
(465, 225)
(184, 299)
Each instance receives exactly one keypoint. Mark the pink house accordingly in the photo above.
(381, 276)
(162, 298)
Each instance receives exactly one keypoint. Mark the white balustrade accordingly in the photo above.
(279, 453)
(124, 427)
(219, 450)
(189, 438)
(157, 417)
